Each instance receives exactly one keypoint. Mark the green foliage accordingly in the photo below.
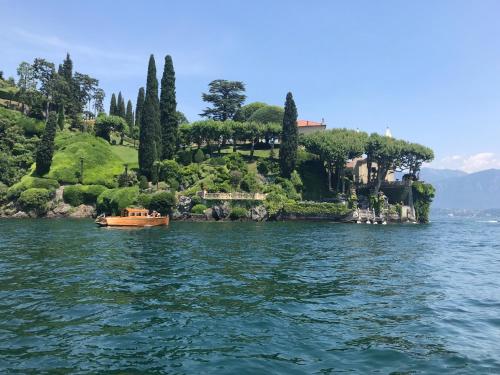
(170, 170)
(34, 199)
(143, 200)
(3, 192)
(236, 177)
(296, 181)
(113, 201)
(199, 156)
(129, 115)
(104, 125)
(162, 202)
(198, 208)
(30, 126)
(315, 208)
(143, 183)
(289, 138)
(139, 105)
(101, 161)
(268, 114)
(275, 201)
(169, 120)
(250, 183)
(423, 195)
(185, 157)
(243, 114)
(76, 195)
(45, 149)
(226, 98)
(112, 106)
(238, 213)
(29, 182)
(150, 133)
(121, 111)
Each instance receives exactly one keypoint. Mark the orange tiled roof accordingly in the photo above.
(308, 123)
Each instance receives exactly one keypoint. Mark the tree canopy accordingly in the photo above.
(226, 98)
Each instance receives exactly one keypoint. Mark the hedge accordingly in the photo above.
(76, 195)
(34, 199)
(28, 182)
(315, 208)
(198, 209)
(113, 201)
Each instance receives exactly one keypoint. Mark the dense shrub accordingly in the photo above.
(263, 167)
(236, 177)
(143, 200)
(113, 201)
(3, 192)
(162, 202)
(170, 170)
(198, 208)
(235, 161)
(76, 195)
(34, 199)
(238, 213)
(28, 182)
(128, 179)
(250, 183)
(143, 183)
(315, 208)
(185, 157)
(199, 156)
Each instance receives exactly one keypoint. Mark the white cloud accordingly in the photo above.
(469, 163)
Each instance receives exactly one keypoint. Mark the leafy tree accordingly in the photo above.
(113, 106)
(226, 98)
(243, 114)
(67, 68)
(289, 138)
(26, 83)
(44, 73)
(99, 96)
(268, 114)
(335, 147)
(85, 87)
(387, 153)
(414, 155)
(198, 156)
(46, 147)
(129, 116)
(150, 124)
(272, 131)
(181, 118)
(168, 111)
(104, 125)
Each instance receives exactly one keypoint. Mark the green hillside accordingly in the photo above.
(101, 161)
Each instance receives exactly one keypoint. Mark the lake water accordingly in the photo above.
(250, 298)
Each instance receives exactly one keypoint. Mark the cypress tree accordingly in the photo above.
(45, 149)
(120, 106)
(129, 116)
(168, 110)
(289, 138)
(112, 106)
(139, 105)
(60, 117)
(67, 69)
(150, 123)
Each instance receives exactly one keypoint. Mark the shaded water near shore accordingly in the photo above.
(247, 298)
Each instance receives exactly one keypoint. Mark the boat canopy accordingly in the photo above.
(135, 212)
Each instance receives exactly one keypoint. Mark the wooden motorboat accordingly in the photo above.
(133, 217)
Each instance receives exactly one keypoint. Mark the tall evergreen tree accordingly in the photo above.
(45, 149)
(129, 116)
(60, 117)
(139, 105)
(67, 69)
(289, 138)
(112, 106)
(168, 111)
(120, 106)
(150, 124)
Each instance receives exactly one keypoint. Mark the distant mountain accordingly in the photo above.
(432, 175)
(480, 190)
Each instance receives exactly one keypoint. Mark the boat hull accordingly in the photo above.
(118, 221)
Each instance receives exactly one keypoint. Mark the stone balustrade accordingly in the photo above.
(232, 196)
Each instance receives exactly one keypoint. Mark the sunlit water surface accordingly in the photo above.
(249, 298)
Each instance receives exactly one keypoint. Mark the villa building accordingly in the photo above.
(308, 127)
(359, 169)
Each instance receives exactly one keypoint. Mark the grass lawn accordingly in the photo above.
(101, 161)
(127, 155)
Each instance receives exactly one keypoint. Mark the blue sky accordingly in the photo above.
(428, 69)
